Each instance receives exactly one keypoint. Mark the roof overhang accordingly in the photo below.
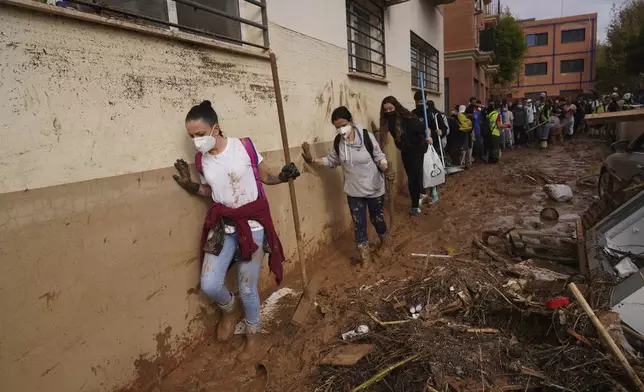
(481, 58)
(492, 69)
(389, 3)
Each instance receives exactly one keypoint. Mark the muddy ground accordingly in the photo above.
(486, 197)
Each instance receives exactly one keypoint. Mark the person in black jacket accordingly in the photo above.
(408, 132)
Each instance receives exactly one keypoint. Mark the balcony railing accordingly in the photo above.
(493, 8)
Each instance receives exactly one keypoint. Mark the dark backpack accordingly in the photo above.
(484, 123)
(365, 139)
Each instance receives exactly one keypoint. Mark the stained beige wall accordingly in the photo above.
(98, 246)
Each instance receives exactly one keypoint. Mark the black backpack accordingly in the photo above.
(365, 139)
(484, 123)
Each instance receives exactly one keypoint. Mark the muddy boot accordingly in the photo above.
(228, 320)
(252, 343)
(365, 256)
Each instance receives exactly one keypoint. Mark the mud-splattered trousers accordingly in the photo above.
(358, 207)
(213, 274)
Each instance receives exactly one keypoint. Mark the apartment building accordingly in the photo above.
(99, 264)
(561, 56)
(468, 67)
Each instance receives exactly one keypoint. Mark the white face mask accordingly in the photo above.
(203, 144)
(344, 131)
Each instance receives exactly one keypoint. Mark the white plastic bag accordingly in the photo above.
(433, 170)
(558, 192)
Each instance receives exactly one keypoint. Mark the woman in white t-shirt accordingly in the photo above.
(232, 173)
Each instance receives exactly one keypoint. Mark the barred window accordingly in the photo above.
(366, 37)
(424, 58)
(219, 19)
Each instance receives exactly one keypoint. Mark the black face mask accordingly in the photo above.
(420, 107)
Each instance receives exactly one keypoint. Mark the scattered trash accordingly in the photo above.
(354, 333)
(419, 307)
(557, 302)
(549, 214)
(527, 269)
(412, 310)
(626, 268)
(428, 255)
(558, 192)
(365, 287)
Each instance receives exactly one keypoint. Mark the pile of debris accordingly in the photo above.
(484, 323)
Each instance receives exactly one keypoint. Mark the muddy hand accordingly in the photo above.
(183, 179)
(306, 153)
(183, 169)
(289, 171)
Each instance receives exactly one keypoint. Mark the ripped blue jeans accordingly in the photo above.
(213, 274)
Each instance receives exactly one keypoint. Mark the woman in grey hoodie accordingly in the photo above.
(363, 164)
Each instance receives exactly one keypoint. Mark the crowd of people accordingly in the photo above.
(238, 227)
(481, 132)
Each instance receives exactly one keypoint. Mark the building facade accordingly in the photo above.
(99, 266)
(468, 68)
(561, 56)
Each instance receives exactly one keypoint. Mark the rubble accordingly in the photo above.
(484, 326)
(558, 192)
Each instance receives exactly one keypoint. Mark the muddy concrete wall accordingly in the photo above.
(98, 246)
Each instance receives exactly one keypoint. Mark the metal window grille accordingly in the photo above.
(218, 19)
(572, 66)
(424, 58)
(366, 37)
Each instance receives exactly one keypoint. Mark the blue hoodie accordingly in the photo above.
(476, 122)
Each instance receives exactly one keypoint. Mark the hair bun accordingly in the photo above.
(206, 103)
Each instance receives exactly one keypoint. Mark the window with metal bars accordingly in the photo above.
(219, 19)
(424, 58)
(366, 37)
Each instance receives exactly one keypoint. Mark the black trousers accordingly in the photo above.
(413, 163)
(520, 135)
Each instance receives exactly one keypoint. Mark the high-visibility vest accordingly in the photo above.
(494, 128)
(464, 123)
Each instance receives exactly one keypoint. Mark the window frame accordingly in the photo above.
(561, 66)
(535, 35)
(173, 24)
(572, 41)
(424, 51)
(525, 72)
(360, 44)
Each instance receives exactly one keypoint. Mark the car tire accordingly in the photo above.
(602, 184)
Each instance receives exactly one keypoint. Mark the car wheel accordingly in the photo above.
(602, 186)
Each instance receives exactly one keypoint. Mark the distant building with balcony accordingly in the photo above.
(561, 56)
(468, 67)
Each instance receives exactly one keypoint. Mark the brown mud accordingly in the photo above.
(486, 197)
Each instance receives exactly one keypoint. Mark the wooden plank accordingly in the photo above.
(581, 248)
(611, 117)
(347, 355)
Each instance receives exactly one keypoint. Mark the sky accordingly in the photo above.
(544, 9)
